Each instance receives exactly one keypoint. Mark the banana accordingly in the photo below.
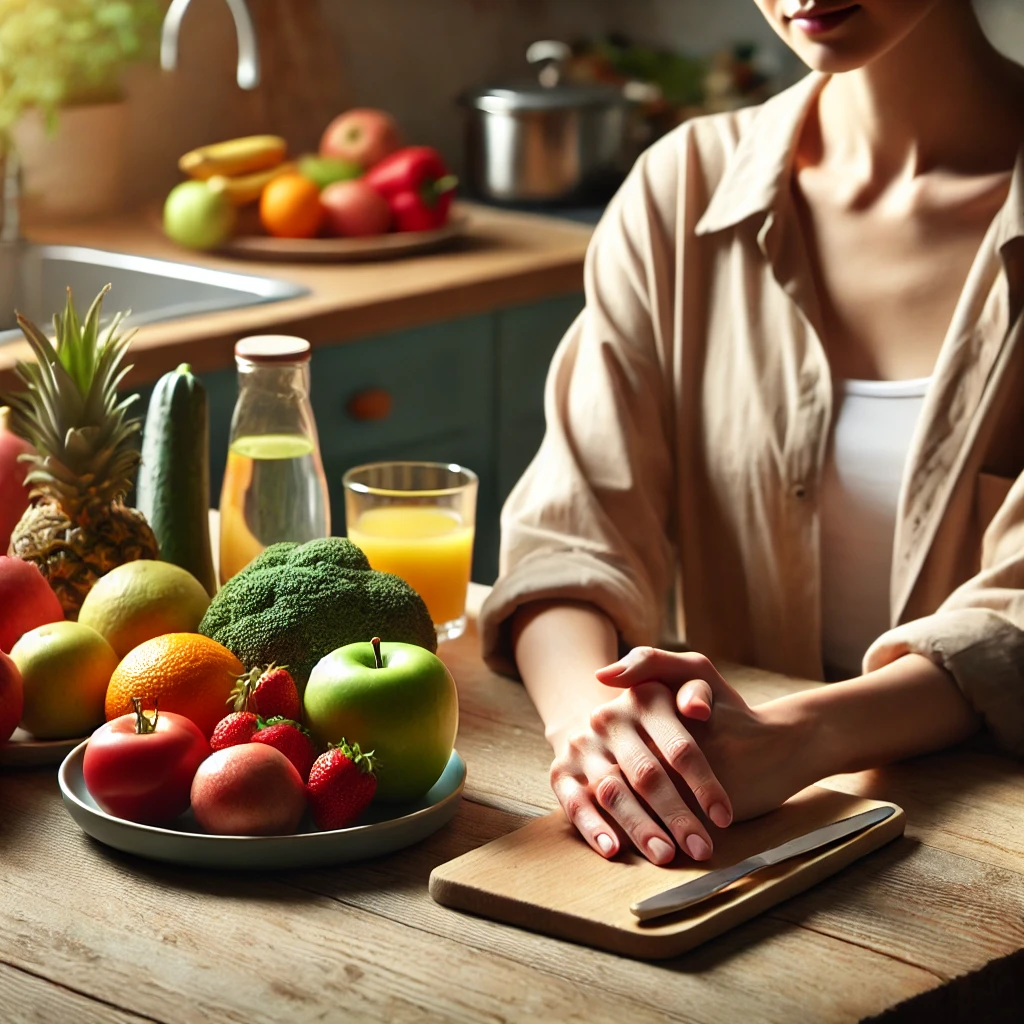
(247, 188)
(234, 157)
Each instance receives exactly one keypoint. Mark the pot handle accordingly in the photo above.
(548, 55)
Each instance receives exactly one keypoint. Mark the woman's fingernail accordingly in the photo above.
(605, 843)
(719, 815)
(661, 851)
(699, 850)
(698, 710)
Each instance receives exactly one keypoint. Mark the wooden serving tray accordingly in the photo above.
(545, 878)
(346, 250)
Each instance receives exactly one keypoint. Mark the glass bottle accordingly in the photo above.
(274, 487)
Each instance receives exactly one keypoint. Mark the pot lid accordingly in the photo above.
(534, 96)
(549, 90)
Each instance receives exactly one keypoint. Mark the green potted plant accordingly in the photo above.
(62, 106)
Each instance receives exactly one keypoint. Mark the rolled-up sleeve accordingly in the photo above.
(588, 521)
(977, 634)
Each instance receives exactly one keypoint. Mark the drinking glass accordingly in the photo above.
(417, 520)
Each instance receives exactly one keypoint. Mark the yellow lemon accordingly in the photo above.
(65, 668)
(141, 600)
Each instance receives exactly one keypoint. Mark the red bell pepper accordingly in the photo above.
(417, 186)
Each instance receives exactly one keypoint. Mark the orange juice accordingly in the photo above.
(429, 547)
(268, 495)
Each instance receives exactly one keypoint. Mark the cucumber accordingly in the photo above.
(173, 488)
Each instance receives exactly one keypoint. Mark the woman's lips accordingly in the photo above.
(817, 23)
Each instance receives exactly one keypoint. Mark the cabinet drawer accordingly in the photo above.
(425, 394)
(388, 392)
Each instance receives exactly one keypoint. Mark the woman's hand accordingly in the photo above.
(634, 758)
(760, 755)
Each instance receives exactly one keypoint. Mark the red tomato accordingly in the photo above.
(140, 766)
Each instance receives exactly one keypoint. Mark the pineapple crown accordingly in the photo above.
(70, 410)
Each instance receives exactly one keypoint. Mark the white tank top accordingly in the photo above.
(872, 430)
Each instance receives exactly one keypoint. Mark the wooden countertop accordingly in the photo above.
(96, 936)
(505, 259)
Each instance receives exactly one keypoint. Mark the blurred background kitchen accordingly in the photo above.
(414, 57)
(438, 355)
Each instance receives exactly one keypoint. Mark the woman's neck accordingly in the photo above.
(916, 108)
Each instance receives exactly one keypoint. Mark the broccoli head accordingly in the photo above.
(295, 603)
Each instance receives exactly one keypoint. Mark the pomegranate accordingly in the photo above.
(12, 697)
(26, 601)
(13, 492)
(248, 790)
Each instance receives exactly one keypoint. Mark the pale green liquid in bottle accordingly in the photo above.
(272, 492)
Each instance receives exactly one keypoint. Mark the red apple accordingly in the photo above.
(13, 492)
(354, 210)
(248, 790)
(26, 601)
(12, 697)
(363, 136)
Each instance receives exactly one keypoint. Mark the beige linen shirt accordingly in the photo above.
(688, 413)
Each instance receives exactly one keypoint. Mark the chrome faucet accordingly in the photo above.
(248, 51)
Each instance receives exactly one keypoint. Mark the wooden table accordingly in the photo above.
(96, 936)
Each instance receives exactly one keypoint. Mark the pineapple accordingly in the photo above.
(78, 527)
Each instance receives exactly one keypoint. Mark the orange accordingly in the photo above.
(290, 207)
(189, 674)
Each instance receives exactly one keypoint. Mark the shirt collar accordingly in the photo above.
(1010, 219)
(759, 168)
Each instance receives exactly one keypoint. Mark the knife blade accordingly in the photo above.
(679, 897)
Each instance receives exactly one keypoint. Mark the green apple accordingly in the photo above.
(400, 702)
(198, 215)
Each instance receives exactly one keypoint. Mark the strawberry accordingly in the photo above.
(238, 727)
(341, 785)
(270, 692)
(291, 739)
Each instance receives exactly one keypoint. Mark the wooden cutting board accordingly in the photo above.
(544, 877)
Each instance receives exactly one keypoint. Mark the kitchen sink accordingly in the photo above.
(34, 280)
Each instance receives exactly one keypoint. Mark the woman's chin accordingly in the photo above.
(834, 60)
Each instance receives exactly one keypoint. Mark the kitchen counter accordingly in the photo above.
(506, 259)
(97, 936)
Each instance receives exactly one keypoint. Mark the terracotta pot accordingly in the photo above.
(77, 171)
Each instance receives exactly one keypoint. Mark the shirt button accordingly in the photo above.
(799, 491)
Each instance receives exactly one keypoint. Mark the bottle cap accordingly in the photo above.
(272, 348)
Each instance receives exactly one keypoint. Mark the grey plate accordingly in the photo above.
(387, 827)
(22, 751)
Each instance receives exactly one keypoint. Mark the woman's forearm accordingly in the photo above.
(912, 706)
(558, 646)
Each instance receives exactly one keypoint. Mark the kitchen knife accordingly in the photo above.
(680, 897)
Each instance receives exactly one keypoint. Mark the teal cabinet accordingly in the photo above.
(469, 391)
(527, 339)
(432, 389)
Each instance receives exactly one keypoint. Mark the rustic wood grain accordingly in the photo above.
(763, 971)
(544, 877)
(367, 941)
(947, 914)
(26, 999)
(239, 948)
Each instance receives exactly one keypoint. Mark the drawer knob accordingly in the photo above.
(370, 406)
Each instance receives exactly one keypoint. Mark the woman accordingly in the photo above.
(794, 404)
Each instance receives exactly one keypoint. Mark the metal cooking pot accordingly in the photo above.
(549, 140)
